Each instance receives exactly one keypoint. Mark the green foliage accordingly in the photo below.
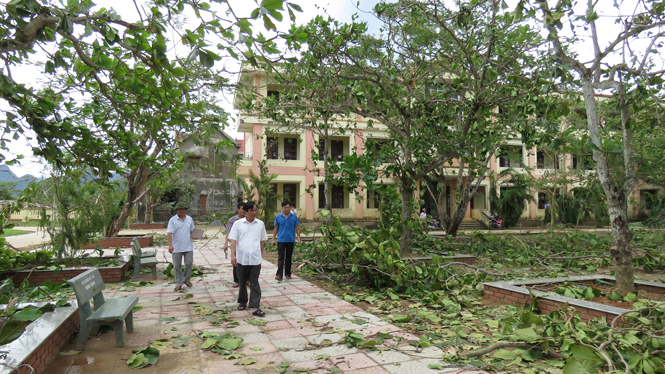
(265, 197)
(19, 260)
(654, 211)
(142, 357)
(83, 206)
(374, 257)
(508, 201)
(224, 344)
(197, 270)
(7, 190)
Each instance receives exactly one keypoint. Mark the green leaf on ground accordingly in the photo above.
(160, 343)
(69, 353)
(256, 348)
(401, 318)
(257, 322)
(180, 341)
(528, 335)
(282, 368)
(435, 366)
(137, 307)
(234, 356)
(504, 354)
(168, 319)
(143, 357)
(11, 330)
(27, 314)
(322, 357)
(247, 361)
(189, 296)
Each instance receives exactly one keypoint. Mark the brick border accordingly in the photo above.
(120, 242)
(139, 226)
(35, 277)
(55, 329)
(511, 292)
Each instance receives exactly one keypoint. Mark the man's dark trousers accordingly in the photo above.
(249, 273)
(285, 255)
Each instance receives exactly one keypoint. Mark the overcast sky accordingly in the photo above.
(339, 9)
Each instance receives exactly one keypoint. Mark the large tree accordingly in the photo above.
(447, 84)
(623, 59)
(120, 98)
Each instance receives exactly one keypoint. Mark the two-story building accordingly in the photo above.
(288, 154)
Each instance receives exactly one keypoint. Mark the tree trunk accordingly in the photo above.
(149, 214)
(620, 250)
(406, 193)
(616, 197)
(136, 181)
(460, 210)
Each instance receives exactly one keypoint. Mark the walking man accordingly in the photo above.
(248, 236)
(179, 236)
(229, 225)
(286, 228)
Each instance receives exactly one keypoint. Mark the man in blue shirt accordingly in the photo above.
(286, 228)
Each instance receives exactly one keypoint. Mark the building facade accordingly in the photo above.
(288, 154)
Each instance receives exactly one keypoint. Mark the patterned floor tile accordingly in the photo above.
(388, 357)
(353, 362)
(290, 343)
(252, 337)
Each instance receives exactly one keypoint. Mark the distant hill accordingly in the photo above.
(7, 175)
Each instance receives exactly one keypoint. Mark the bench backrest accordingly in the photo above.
(86, 285)
(136, 247)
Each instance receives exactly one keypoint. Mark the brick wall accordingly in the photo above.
(121, 242)
(508, 296)
(138, 226)
(35, 277)
(42, 356)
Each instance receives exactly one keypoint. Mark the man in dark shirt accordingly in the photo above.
(229, 225)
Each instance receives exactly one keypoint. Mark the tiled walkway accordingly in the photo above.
(299, 317)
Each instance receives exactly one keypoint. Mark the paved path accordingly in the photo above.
(299, 315)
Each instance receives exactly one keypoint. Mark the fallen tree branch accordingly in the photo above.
(494, 347)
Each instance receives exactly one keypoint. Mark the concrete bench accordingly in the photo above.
(143, 259)
(89, 285)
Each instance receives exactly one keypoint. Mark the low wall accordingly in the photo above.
(139, 226)
(41, 341)
(35, 277)
(511, 292)
(121, 242)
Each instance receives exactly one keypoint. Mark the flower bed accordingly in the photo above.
(41, 341)
(511, 292)
(120, 241)
(35, 277)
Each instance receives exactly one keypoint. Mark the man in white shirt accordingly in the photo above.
(179, 236)
(423, 215)
(247, 241)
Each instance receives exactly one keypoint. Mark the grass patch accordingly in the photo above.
(29, 223)
(11, 232)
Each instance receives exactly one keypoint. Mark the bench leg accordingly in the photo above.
(119, 333)
(84, 332)
(154, 272)
(129, 322)
(137, 268)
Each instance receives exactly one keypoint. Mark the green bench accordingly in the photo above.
(143, 259)
(89, 285)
